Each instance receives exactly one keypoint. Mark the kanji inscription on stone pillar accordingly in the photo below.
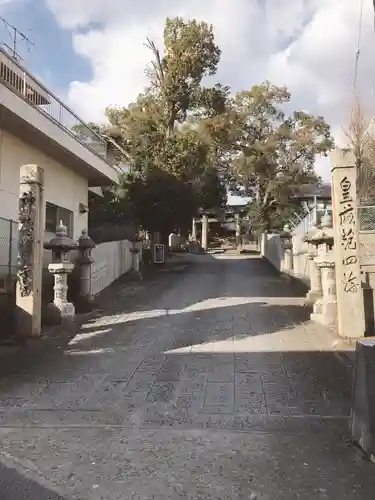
(350, 307)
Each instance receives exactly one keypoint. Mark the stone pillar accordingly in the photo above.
(204, 232)
(314, 272)
(263, 243)
(237, 222)
(84, 261)
(194, 230)
(325, 309)
(350, 304)
(288, 258)
(135, 259)
(30, 251)
(286, 240)
(315, 291)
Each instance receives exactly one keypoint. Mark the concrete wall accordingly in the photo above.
(300, 262)
(273, 252)
(111, 260)
(62, 186)
(176, 241)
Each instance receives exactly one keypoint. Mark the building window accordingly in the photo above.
(54, 215)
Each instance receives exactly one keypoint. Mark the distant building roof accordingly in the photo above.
(320, 191)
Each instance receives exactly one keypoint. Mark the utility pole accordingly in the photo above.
(15, 35)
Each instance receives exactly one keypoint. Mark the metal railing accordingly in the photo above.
(8, 251)
(303, 225)
(24, 84)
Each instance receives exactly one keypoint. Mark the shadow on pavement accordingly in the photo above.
(278, 425)
(212, 368)
(15, 486)
(244, 297)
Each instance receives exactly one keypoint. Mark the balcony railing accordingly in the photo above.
(21, 82)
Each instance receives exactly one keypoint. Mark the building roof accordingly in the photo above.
(320, 191)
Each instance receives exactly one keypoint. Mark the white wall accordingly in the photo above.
(9, 179)
(274, 254)
(175, 241)
(274, 250)
(300, 262)
(62, 186)
(111, 260)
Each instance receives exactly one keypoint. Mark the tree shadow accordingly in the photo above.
(15, 486)
(125, 321)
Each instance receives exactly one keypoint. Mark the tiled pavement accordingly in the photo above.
(207, 384)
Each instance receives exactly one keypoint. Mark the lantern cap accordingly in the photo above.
(61, 241)
(84, 241)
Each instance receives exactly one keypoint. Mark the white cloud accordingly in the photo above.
(309, 45)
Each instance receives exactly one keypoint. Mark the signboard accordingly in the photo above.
(159, 253)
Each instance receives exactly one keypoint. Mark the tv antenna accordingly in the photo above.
(15, 35)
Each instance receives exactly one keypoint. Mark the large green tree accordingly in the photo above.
(163, 133)
(274, 152)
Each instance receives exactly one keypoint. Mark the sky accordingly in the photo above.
(92, 54)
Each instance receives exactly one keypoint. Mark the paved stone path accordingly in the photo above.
(206, 384)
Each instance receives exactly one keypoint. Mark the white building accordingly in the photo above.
(37, 128)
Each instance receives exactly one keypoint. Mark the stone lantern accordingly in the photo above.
(84, 261)
(286, 238)
(61, 246)
(325, 309)
(323, 237)
(326, 306)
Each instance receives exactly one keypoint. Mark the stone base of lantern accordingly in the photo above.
(318, 306)
(60, 313)
(313, 297)
(325, 309)
(327, 314)
(61, 306)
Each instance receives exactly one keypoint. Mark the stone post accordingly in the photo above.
(136, 256)
(350, 304)
(237, 222)
(204, 232)
(84, 261)
(61, 266)
(315, 291)
(30, 251)
(194, 230)
(263, 243)
(286, 240)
